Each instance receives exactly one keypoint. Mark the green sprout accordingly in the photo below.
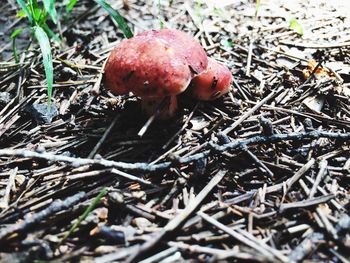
(117, 17)
(161, 23)
(70, 5)
(296, 26)
(257, 7)
(112, 12)
(87, 211)
(198, 8)
(38, 15)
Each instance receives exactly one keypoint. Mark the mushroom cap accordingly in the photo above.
(184, 45)
(212, 83)
(152, 64)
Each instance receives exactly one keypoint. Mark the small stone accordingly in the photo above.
(41, 112)
(198, 123)
(5, 98)
(142, 222)
(344, 222)
(68, 154)
(116, 197)
(40, 149)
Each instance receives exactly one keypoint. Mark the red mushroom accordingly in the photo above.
(212, 83)
(155, 65)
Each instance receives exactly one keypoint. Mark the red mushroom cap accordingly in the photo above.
(185, 46)
(212, 83)
(154, 64)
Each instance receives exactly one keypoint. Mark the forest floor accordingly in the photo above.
(261, 174)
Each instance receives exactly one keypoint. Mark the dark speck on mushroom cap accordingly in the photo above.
(212, 83)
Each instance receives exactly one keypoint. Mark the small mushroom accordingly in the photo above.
(212, 83)
(155, 65)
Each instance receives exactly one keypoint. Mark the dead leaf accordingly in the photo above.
(314, 103)
(320, 72)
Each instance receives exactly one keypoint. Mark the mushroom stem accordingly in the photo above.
(163, 108)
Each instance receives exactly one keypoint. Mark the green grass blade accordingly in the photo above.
(21, 14)
(117, 17)
(161, 23)
(257, 7)
(296, 26)
(50, 33)
(91, 207)
(198, 9)
(45, 47)
(35, 10)
(13, 37)
(70, 5)
(16, 32)
(22, 4)
(50, 8)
